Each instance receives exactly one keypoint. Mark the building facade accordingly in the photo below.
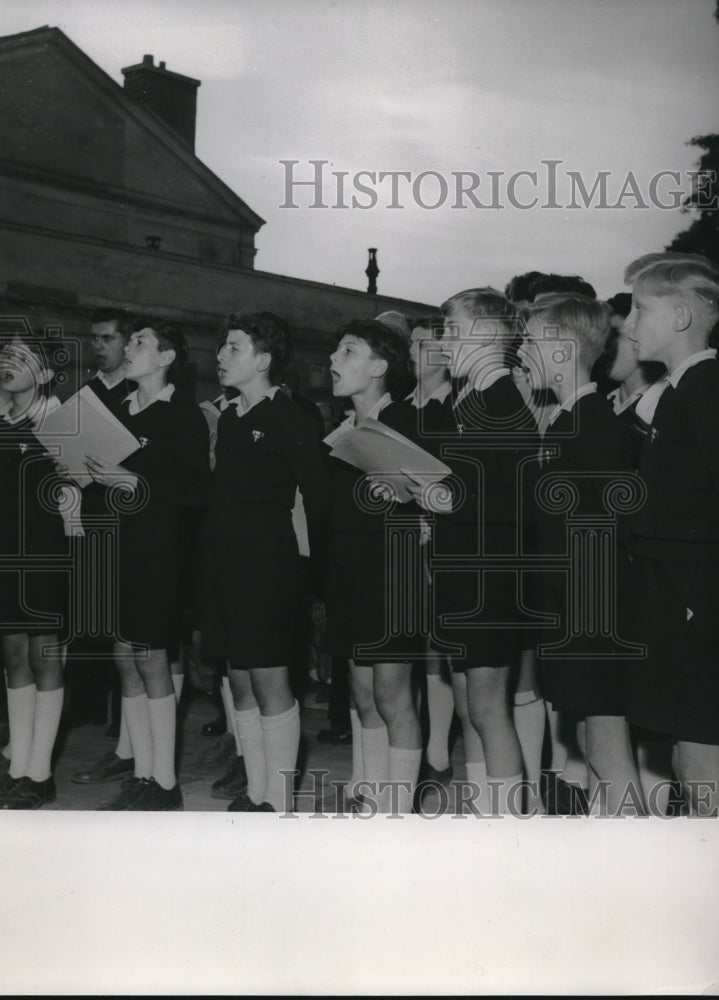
(103, 202)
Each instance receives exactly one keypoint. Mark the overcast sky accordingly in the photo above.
(474, 86)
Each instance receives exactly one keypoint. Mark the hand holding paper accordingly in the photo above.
(389, 458)
(438, 501)
(83, 426)
(109, 474)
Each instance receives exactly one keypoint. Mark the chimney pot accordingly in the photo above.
(148, 60)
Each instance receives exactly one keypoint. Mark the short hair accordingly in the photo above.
(520, 288)
(620, 304)
(562, 284)
(434, 323)
(664, 274)
(577, 318)
(169, 338)
(395, 319)
(269, 333)
(122, 318)
(387, 343)
(486, 303)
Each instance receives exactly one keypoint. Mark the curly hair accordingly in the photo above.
(269, 333)
(387, 343)
(169, 338)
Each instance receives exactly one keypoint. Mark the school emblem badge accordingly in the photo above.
(257, 435)
(144, 442)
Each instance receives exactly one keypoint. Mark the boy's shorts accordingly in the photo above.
(676, 689)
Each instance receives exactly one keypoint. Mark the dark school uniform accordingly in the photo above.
(94, 495)
(635, 415)
(33, 599)
(492, 433)
(676, 690)
(360, 590)
(251, 565)
(173, 465)
(590, 446)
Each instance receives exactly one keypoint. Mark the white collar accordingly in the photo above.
(485, 383)
(106, 381)
(571, 401)
(620, 405)
(239, 405)
(40, 409)
(222, 402)
(650, 397)
(689, 363)
(373, 413)
(349, 422)
(163, 396)
(441, 392)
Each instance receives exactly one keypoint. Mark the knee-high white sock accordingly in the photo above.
(440, 706)
(655, 774)
(178, 682)
(228, 704)
(7, 751)
(559, 747)
(249, 727)
(375, 754)
(357, 756)
(163, 725)
(477, 774)
(404, 767)
(281, 741)
(124, 747)
(529, 715)
(21, 717)
(137, 714)
(505, 795)
(48, 709)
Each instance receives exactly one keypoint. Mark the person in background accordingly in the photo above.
(429, 398)
(90, 683)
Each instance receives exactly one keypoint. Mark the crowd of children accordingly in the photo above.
(557, 588)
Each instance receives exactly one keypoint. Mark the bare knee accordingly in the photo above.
(393, 693)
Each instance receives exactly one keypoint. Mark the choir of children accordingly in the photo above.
(604, 529)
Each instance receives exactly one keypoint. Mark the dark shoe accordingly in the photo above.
(563, 799)
(29, 794)
(132, 788)
(335, 737)
(428, 773)
(6, 783)
(244, 804)
(232, 783)
(155, 798)
(216, 727)
(109, 767)
(221, 751)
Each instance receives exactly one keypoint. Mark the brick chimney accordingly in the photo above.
(172, 97)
